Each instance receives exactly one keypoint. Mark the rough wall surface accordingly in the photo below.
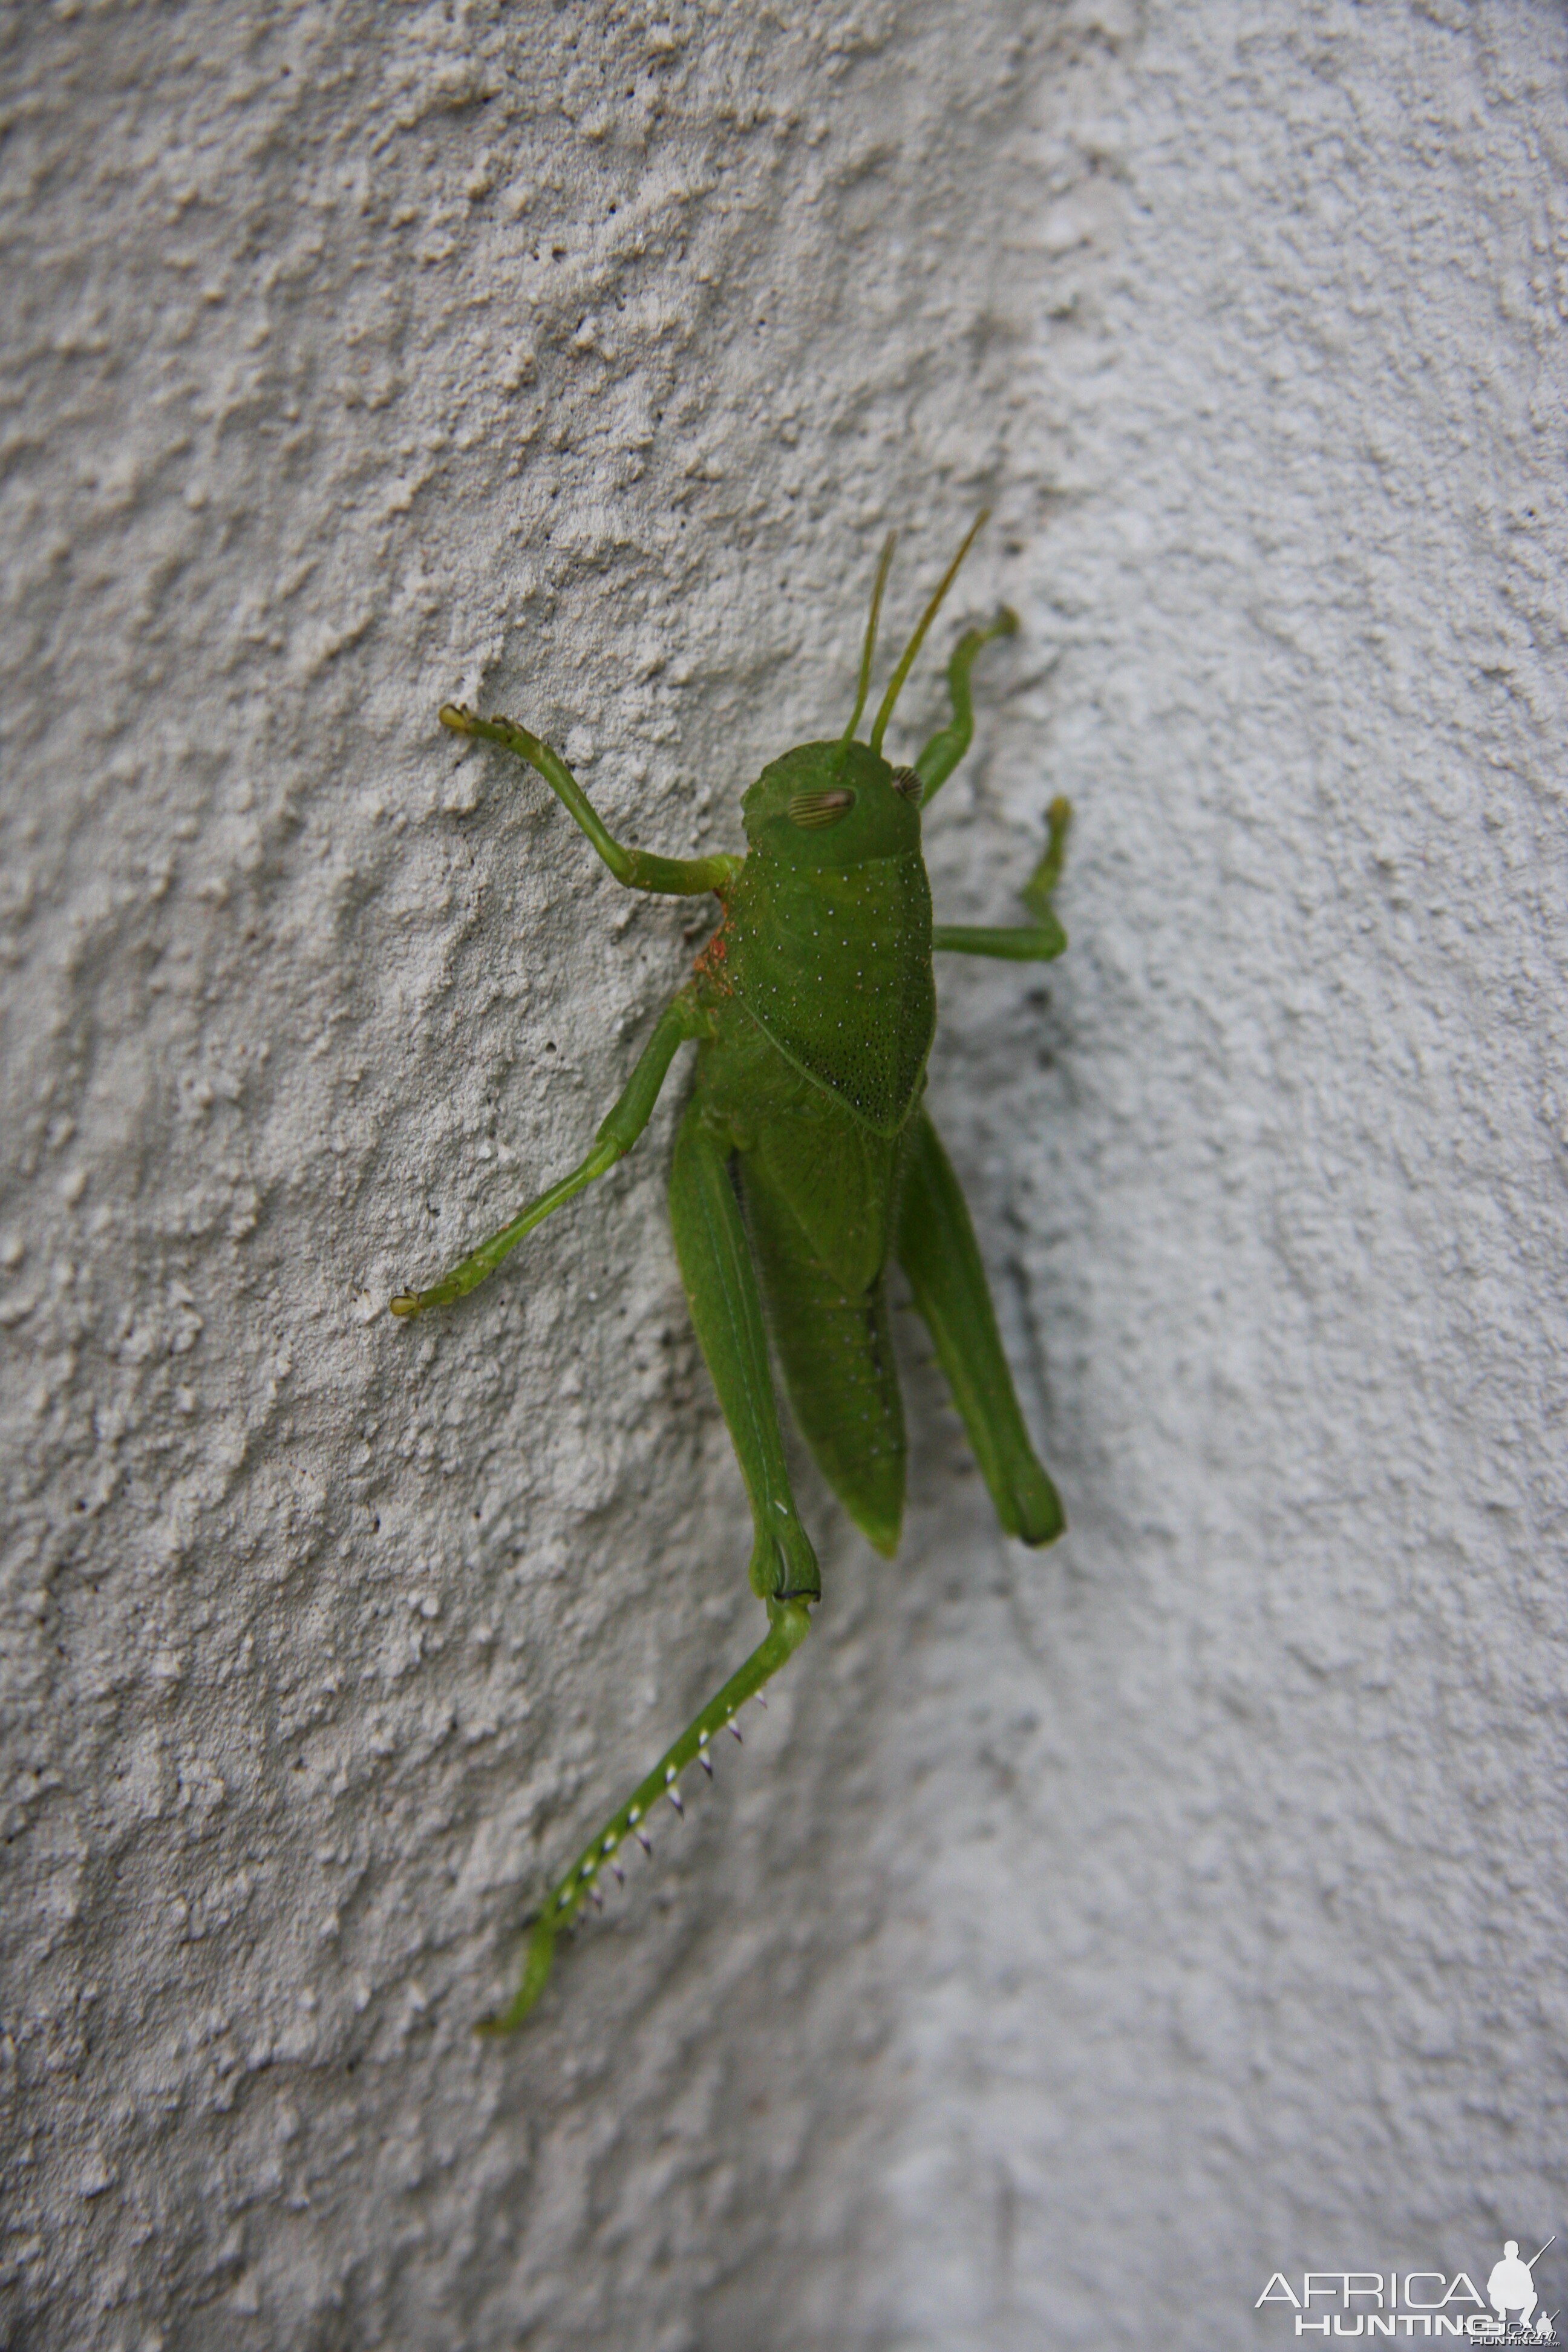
(1078, 1939)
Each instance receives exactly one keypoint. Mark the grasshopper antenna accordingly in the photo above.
(896, 682)
(870, 645)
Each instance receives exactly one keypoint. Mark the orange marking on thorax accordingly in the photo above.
(709, 965)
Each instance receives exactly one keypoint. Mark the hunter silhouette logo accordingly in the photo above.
(1414, 2305)
(1512, 2288)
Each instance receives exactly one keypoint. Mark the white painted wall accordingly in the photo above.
(1079, 1938)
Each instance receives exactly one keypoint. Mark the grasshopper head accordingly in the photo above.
(828, 804)
(833, 804)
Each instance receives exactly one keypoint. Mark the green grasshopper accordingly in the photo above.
(812, 1008)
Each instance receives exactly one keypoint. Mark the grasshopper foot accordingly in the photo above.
(535, 1975)
(1040, 888)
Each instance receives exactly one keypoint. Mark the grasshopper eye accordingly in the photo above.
(905, 780)
(813, 810)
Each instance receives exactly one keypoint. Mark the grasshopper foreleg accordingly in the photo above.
(639, 869)
(948, 745)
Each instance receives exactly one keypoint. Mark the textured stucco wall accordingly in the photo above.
(1080, 1938)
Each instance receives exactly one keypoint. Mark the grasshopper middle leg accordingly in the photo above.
(1037, 941)
(615, 1137)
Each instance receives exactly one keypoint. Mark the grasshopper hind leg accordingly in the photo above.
(721, 1286)
(788, 1625)
(937, 1249)
(834, 1345)
(726, 1307)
